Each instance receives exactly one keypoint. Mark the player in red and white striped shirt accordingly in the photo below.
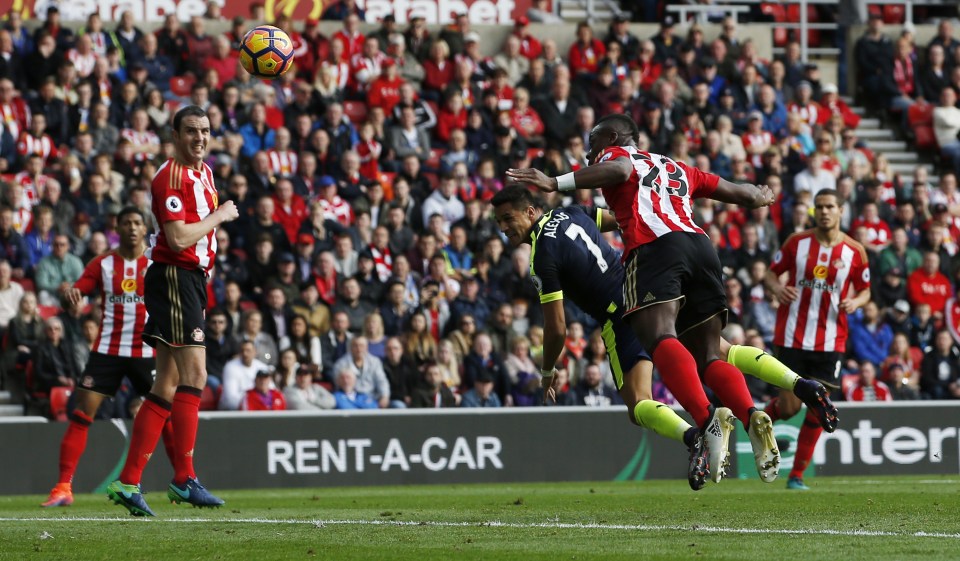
(119, 350)
(822, 266)
(673, 285)
(187, 208)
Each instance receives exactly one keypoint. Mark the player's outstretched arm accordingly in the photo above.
(743, 194)
(181, 235)
(605, 174)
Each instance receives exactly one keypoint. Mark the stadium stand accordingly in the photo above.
(326, 196)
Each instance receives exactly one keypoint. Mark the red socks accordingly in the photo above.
(809, 435)
(147, 427)
(773, 409)
(729, 386)
(678, 370)
(73, 444)
(168, 440)
(185, 415)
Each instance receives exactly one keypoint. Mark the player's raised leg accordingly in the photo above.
(758, 363)
(185, 487)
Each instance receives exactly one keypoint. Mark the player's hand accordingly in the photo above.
(766, 196)
(847, 305)
(228, 210)
(73, 296)
(533, 177)
(787, 294)
(550, 385)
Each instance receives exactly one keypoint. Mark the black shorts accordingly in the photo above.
(677, 266)
(176, 299)
(816, 365)
(624, 350)
(105, 373)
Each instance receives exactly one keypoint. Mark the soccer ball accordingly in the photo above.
(266, 52)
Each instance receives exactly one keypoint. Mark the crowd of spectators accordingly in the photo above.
(366, 270)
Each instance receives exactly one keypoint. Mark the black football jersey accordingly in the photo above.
(570, 259)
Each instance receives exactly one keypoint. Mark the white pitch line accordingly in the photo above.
(498, 524)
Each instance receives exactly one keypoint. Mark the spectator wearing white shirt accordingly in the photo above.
(10, 295)
(239, 375)
(444, 201)
(814, 179)
(946, 126)
(305, 395)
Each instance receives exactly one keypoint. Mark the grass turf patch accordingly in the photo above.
(848, 518)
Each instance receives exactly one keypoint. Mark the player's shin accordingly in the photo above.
(756, 362)
(185, 417)
(806, 443)
(728, 384)
(73, 444)
(147, 427)
(661, 419)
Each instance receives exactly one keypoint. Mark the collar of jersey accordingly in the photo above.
(538, 227)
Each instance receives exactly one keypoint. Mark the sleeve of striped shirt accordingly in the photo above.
(784, 258)
(168, 195)
(89, 281)
(701, 185)
(861, 270)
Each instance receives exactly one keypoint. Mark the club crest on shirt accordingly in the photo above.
(197, 335)
(839, 264)
(87, 382)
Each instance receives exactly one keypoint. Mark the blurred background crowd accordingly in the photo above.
(366, 270)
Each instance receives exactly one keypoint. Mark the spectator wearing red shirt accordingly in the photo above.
(453, 115)
(647, 68)
(438, 70)
(14, 112)
(530, 46)
(36, 141)
(525, 118)
(263, 397)
(927, 285)
(369, 150)
(199, 46)
(350, 36)
(586, 52)
(384, 92)
(867, 387)
(808, 109)
(878, 232)
(831, 104)
(365, 67)
(223, 60)
(289, 209)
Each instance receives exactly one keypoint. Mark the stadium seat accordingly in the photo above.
(779, 14)
(534, 153)
(58, 403)
(47, 312)
(920, 116)
(181, 85)
(209, 399)
(433, 162)
(247, 305)
(173, 105)
(26, 284)
(356, 111)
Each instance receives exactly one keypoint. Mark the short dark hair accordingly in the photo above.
(622, 124)
(130, 210)
(188, 111)
(828, 192)
(518, 196)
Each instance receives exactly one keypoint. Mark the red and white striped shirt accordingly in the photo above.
(124, 313)
(811, 113)
(32, 188)
(761, 139)
(822, 276)
(656, 199)
(187, 194)
(144, 138)
(382, 262)
(44, 146)
(283, 162)
(337, 209)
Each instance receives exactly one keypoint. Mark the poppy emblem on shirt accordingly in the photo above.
(129, 285)
(174, 204)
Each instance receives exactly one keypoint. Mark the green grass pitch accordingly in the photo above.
(839, 519)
